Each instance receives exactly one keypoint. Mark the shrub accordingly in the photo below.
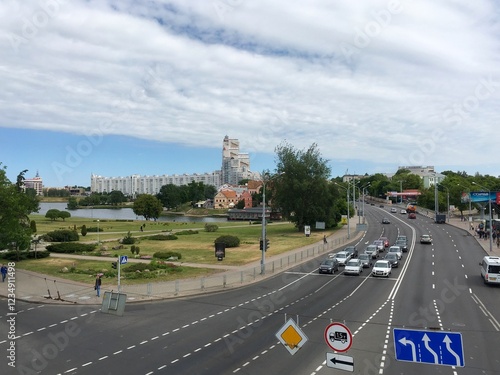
(167, 254)
(229, 241)
(137, 267)
(128, 239)
(94, 229)
(66, 247)
(12, 255)
(211, 227)
(186, 232)
(132, 249)
(84, 230)
(61, 235)
(163, 237)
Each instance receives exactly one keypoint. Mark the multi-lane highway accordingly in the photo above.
(436, 287)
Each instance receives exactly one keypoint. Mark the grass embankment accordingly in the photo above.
(194, 248)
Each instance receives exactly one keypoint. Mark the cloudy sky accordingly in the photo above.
(152, 87)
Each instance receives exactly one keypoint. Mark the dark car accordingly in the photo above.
(402, 244)
(386, 221)
(381, 206)
(393, 259)
(329, 266)
(366, 260)
(412, 215)
(352, 251)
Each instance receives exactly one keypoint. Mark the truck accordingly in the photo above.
(440, 219)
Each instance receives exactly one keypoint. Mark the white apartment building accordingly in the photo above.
(235, 167)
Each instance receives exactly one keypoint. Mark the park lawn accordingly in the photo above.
(86, 271)
(199, 248)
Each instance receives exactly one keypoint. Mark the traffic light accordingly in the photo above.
(267, 244)
(261, 245)
(113, 265)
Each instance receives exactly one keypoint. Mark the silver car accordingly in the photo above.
(372, 250)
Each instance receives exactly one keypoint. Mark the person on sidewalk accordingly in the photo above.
(4, 272)
(97, 286)
(324, 239)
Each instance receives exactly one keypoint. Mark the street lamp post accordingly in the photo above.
(348, 203)
(470, 204)
(98, 231)
(264, 242)
(364, 187)
(489, 214)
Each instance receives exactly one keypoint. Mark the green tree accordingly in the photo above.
(52, 214)
(84, 230)
(170, 196)
(16, 205)
(64, 215)
(72, 203)
(300, 189)
(240, 205)
(148, 206)
(209, 191)
(33, 226)
(116, 197)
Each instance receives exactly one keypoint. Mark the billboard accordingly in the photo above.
(481, 196)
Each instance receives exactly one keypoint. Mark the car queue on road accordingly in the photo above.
(382, 265)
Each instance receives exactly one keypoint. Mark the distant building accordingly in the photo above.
(35, 183)
(427, 173)
(235, 167)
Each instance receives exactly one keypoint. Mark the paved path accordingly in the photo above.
(39, 288)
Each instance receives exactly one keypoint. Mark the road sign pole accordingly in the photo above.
(119, 266)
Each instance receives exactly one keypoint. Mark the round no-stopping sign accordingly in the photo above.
(338, 337)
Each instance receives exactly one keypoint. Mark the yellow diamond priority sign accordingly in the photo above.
(291, 336)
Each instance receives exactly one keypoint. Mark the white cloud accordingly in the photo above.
(170, 71)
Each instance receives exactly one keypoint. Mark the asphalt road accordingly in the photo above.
(436, 287)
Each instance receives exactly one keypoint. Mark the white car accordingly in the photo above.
(382, 268)
(396, 250)
(354, 267)
(402, 212)
(343, 257)
(425, 238)
(393, 209)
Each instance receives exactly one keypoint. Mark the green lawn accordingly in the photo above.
(194, 248)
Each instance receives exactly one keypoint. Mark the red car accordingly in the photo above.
(386, 241)
(412, 216)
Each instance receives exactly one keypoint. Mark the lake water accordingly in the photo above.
(119, 213)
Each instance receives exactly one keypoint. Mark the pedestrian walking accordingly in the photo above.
(4, 272)
(324, 239)
(97, 285)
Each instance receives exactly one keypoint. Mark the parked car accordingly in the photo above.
(393, 259)
(366, 260)
(394, 209)
(396, 250)
(386, 241)
(426, 238)
(330, 265)
(353, 267)
(352, 250)
(412, 215)
(402, 244)
(372, 251)
(386, 221)
(382, 268)
(343, 257)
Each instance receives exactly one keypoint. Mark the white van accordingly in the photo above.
(490, 270)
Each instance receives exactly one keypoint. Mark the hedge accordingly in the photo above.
(167, 254)
(61, 235)
(230, 241)
(162, 237)
(12, 255)
(66, 247)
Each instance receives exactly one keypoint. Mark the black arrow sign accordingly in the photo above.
(335, 361)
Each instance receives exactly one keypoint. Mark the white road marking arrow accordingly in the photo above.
(426, 340)
(447, 341)
(404, 341)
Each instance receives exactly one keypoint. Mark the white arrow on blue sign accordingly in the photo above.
(434, 347)
(123, 259)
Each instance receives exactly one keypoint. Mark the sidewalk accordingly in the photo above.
(485, 243)
(39, 288)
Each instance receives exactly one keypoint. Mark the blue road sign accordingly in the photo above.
(434, 347)
(123, 259)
